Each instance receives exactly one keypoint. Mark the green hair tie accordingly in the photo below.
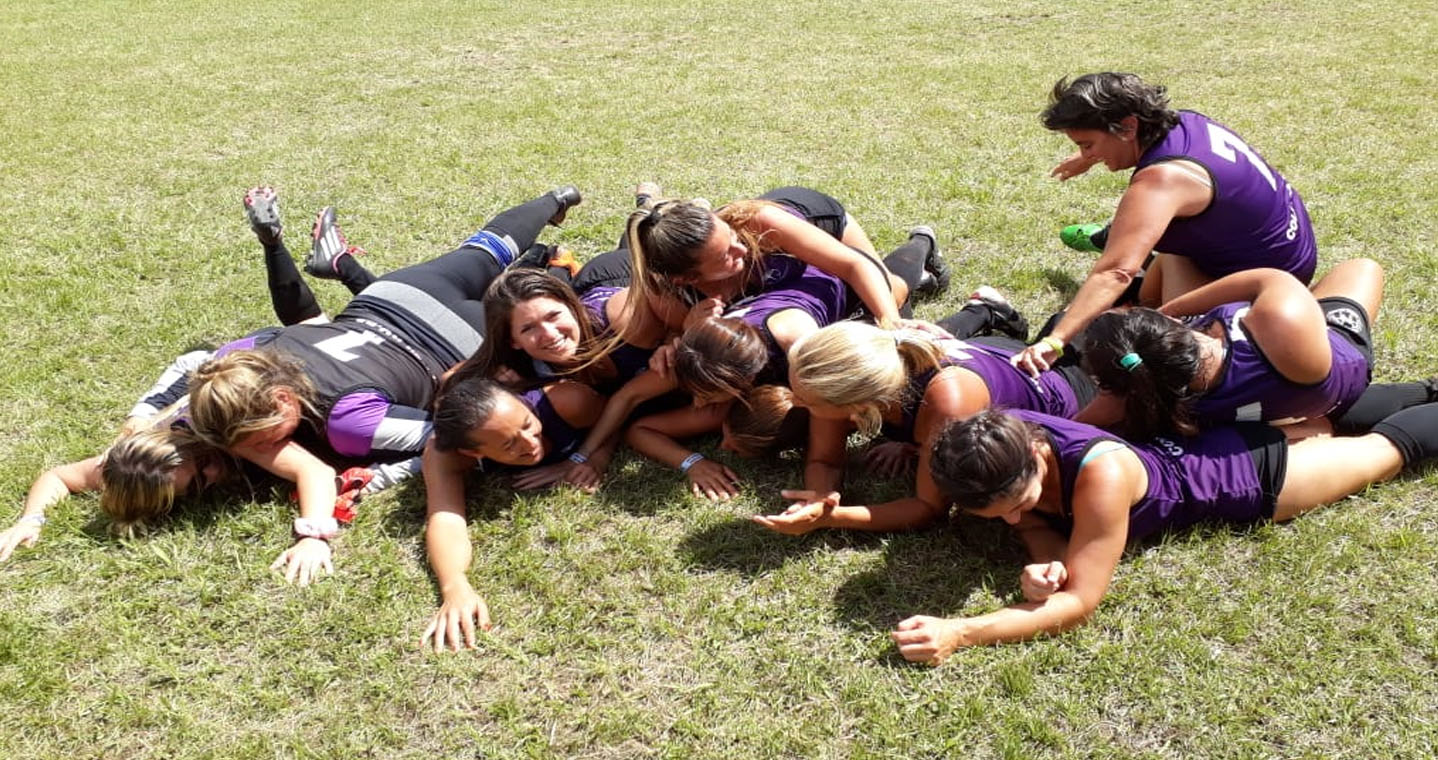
(1130, 361)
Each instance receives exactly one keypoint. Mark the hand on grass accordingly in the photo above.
(20, 534)
(586, 477)
(304, 561)
(891, 459)
(541, 477)
(711, 480)
(805, 514)
(454, 623)
(925, 639)
(1039, 581)
(1073, 166)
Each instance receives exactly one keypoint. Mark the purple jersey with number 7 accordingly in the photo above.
(1255, 218)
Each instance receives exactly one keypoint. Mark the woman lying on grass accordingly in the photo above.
(908, 385)
(157, 458)
(360, 386)
(725, 350)
(1255, 346)
(1076, 495)
(477, 419)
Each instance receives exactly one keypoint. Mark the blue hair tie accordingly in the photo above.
(1130, 361)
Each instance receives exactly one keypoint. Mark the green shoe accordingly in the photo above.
(1080, 237)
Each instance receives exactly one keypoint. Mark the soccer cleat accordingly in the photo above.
(936, 271)
(262, 209)
(328, 246)
(1003, 317)
(646, 193)
(536, 257)
(568, 197)
(1088, 238)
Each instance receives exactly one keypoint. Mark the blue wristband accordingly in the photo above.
(578, 458)
(690, 461)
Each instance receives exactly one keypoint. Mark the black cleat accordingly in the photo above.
(262, 209)
(1003, 317)
(937, 274)
(568, 197)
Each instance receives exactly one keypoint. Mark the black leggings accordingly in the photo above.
(438, 306)
(291, 297)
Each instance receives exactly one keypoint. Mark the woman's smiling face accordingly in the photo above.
(545, 329)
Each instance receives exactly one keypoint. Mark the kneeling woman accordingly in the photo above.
(908, 385)
(1077, 495)
(474, 420)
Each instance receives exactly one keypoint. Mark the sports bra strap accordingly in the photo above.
(1098, 450)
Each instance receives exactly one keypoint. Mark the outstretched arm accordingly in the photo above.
(315, 482)
(53, 485)
(1157, 195)
(1103, 494)
(656, 437)
(446, 540)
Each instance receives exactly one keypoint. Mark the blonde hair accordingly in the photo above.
(137, 475)
(233, 396)
(858, 365)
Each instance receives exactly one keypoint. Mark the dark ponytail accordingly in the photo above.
(1150, 360)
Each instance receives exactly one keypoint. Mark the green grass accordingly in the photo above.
(641, 622)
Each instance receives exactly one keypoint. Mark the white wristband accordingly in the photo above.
(323, 528)
(37, 519)
(690, 461)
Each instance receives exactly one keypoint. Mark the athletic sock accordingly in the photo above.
(353, 275)
(1381, 400)
(290, 297)
(907, 261)
(969, 321)
(1414, 431)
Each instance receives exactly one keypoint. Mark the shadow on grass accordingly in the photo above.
(1063, 282)
(933, 572)
(753, 549)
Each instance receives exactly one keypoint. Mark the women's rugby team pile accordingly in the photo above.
(1199, 373)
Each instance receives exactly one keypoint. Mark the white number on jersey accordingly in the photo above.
(1226, 144)
(341, 347)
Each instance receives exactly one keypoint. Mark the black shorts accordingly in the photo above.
(822, 211)
(1349, 319)
(1268, 447)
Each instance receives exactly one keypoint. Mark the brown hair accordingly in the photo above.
(983, 458)
(498, 352)
(137, 475)
(766, 421)
(719, 355)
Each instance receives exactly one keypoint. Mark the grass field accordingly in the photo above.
(641, 622)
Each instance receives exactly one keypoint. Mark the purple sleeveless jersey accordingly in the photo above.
(563, 438)
(1009, 387)
(791, 284)
(628, 360)
(1210, 477)
(1255, 219)
(1251, 390)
